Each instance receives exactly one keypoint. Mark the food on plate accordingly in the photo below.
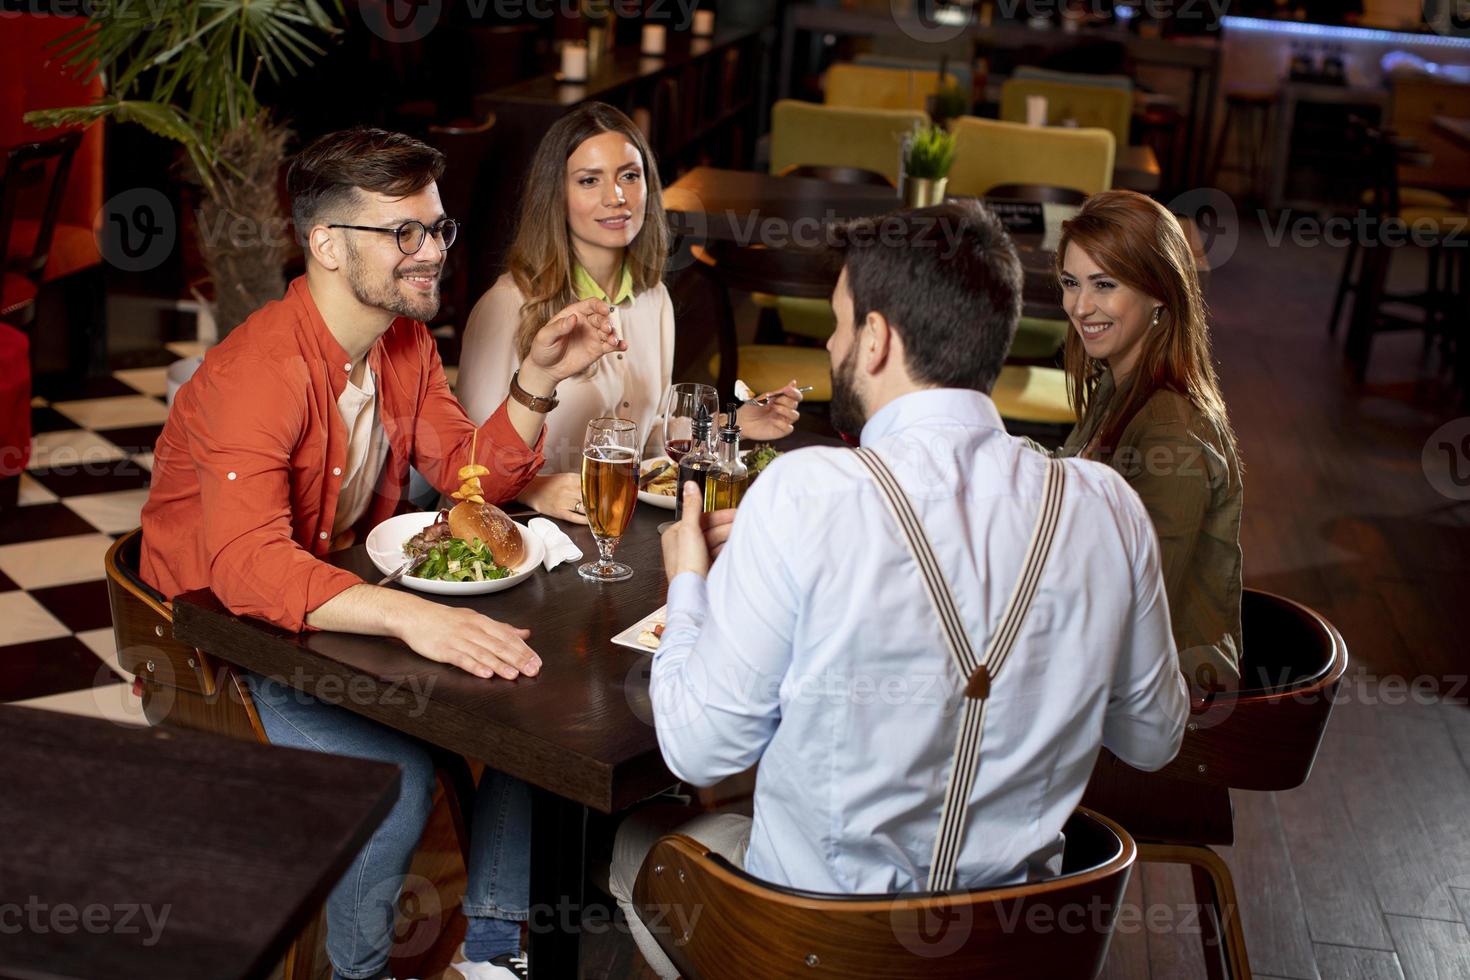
(663, 484)
(439, 554)
(651, 635)
(758, 459)
(473, 542)
(487, 523)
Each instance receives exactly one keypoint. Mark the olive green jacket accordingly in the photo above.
(1186, 472)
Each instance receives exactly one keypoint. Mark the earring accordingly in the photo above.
(1158, 312)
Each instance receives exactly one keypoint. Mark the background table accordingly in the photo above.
(232, 846)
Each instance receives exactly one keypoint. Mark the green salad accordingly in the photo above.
(452, 560)
(759, 458)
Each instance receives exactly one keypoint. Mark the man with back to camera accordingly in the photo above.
(819, 651)
(295, 438)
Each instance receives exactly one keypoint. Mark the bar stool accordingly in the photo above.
(1248, 123)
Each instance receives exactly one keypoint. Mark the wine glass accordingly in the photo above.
(681, 403)
(609, 491)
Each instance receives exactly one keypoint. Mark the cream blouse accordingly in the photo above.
(629, 384)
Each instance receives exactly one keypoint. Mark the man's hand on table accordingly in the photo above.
(474, 643)
(697, 538)
(445, 634)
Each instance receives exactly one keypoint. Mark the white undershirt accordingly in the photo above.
(367, 448)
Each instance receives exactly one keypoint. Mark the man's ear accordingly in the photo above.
(325, 247)
(877, 342)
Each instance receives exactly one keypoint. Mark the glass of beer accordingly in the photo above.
(609, 491)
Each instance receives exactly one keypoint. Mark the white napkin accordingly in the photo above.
(559, 547)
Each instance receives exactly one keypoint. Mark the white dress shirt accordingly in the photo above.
(629, 384)
(815, 650)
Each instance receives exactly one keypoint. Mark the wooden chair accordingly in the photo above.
(1263, 737)
(716, 922)
(182, 687)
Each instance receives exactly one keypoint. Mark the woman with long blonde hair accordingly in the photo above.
(591, 226)
(1143, 382)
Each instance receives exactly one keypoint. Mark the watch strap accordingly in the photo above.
(540, 404)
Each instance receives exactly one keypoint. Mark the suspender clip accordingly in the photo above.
(979, 685)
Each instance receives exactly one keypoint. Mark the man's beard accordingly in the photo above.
(846, 410)
(386, 294)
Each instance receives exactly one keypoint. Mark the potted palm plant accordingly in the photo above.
(186, 70)
(928, 155)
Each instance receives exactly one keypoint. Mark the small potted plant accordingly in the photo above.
(927, 158)
(949, 102)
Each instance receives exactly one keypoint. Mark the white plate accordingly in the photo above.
(385, 547)
(629, 637)
(666, 501)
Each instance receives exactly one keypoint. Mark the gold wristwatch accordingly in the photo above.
(541, 404)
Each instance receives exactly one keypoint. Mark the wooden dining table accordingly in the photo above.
(151, 853)
(580, 733)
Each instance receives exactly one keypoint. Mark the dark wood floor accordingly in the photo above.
(1363, 873)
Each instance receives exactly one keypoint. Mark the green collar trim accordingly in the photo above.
(587, 288)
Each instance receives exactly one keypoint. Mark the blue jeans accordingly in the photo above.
(360, 909)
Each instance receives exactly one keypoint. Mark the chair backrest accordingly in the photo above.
(820, 135)
(34, 172)
(717, 922)
(957, 67)
(1096, 106)
(181, 686)
(1033, 73)
(989, 153)
(1265, 736)
(873, 87)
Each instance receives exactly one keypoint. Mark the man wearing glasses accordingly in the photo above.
(295, 437)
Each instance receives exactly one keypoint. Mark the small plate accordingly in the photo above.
(385, 547)
(629, 637)
(666, 501)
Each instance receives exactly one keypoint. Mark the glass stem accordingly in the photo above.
(605, 548)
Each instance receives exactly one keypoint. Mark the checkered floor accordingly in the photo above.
(91, 452)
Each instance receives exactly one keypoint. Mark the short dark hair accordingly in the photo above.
(324, 177)
(947, 279)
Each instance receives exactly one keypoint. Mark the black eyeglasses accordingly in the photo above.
(411, 234)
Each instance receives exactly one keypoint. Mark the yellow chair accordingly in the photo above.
(821, 135)
(990, 153)
(1037, 395)
(1094, 106)
(871, 87)
(766, 367)
(1037, 339)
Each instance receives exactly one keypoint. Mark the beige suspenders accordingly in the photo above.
(979, 670)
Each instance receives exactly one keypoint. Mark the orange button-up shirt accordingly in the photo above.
(247, 471)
